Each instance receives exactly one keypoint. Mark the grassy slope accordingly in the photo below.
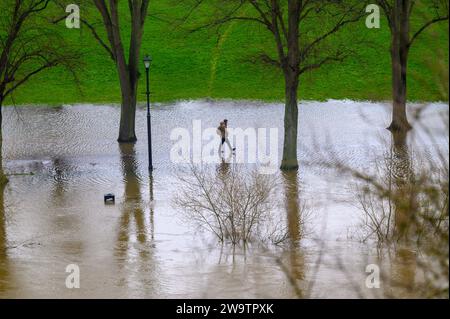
(197, 66)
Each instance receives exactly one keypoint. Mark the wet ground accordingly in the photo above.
(61, 161)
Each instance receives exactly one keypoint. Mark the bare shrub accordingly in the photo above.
(404, 202)
(234, 204)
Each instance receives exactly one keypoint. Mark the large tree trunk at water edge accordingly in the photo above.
(127, 132)
(290, 64)
(127, 66)
(289, 161)
(399, 117)
(399, 60)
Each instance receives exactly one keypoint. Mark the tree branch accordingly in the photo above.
(336, 28)
(28, 76)
(99, 39)
(426, 25)
(339, 57)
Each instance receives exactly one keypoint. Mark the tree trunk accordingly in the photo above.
(129, 75)
(127, 132)
(289, 161)
(399, 61)
(291, 66)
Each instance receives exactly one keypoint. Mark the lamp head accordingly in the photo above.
(147, 60)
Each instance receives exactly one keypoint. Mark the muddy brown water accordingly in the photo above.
(140, 247)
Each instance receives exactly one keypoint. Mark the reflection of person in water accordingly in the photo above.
(223, 132)
(224, 167)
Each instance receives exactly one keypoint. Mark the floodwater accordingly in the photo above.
(61, 161)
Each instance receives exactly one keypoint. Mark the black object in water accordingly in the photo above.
(109, 198)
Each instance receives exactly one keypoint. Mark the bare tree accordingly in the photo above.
(388, 201)
(128, 70)
(110, 39)
(29, 45)
(301, 30)
(232, 204)
(399, 14)
(405, 200)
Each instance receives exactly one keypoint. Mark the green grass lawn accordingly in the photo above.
(197, 65)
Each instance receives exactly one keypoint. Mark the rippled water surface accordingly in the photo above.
(61, 161)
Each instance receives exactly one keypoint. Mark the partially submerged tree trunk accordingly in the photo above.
(289, 160)
(128, 80)
(398, 14)
(127, 132)
(399, 62)
(291, 71)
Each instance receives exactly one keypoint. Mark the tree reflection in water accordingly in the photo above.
(295, 219)
(134, 247)
(4, 262)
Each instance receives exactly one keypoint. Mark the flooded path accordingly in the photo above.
(61, 161)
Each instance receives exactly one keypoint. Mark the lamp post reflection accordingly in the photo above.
(151, 207)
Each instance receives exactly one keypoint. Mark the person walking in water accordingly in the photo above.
(223, 132)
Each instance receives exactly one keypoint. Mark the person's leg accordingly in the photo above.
(222, 140)
(229, 144)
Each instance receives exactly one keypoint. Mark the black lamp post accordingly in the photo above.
(147, 61)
